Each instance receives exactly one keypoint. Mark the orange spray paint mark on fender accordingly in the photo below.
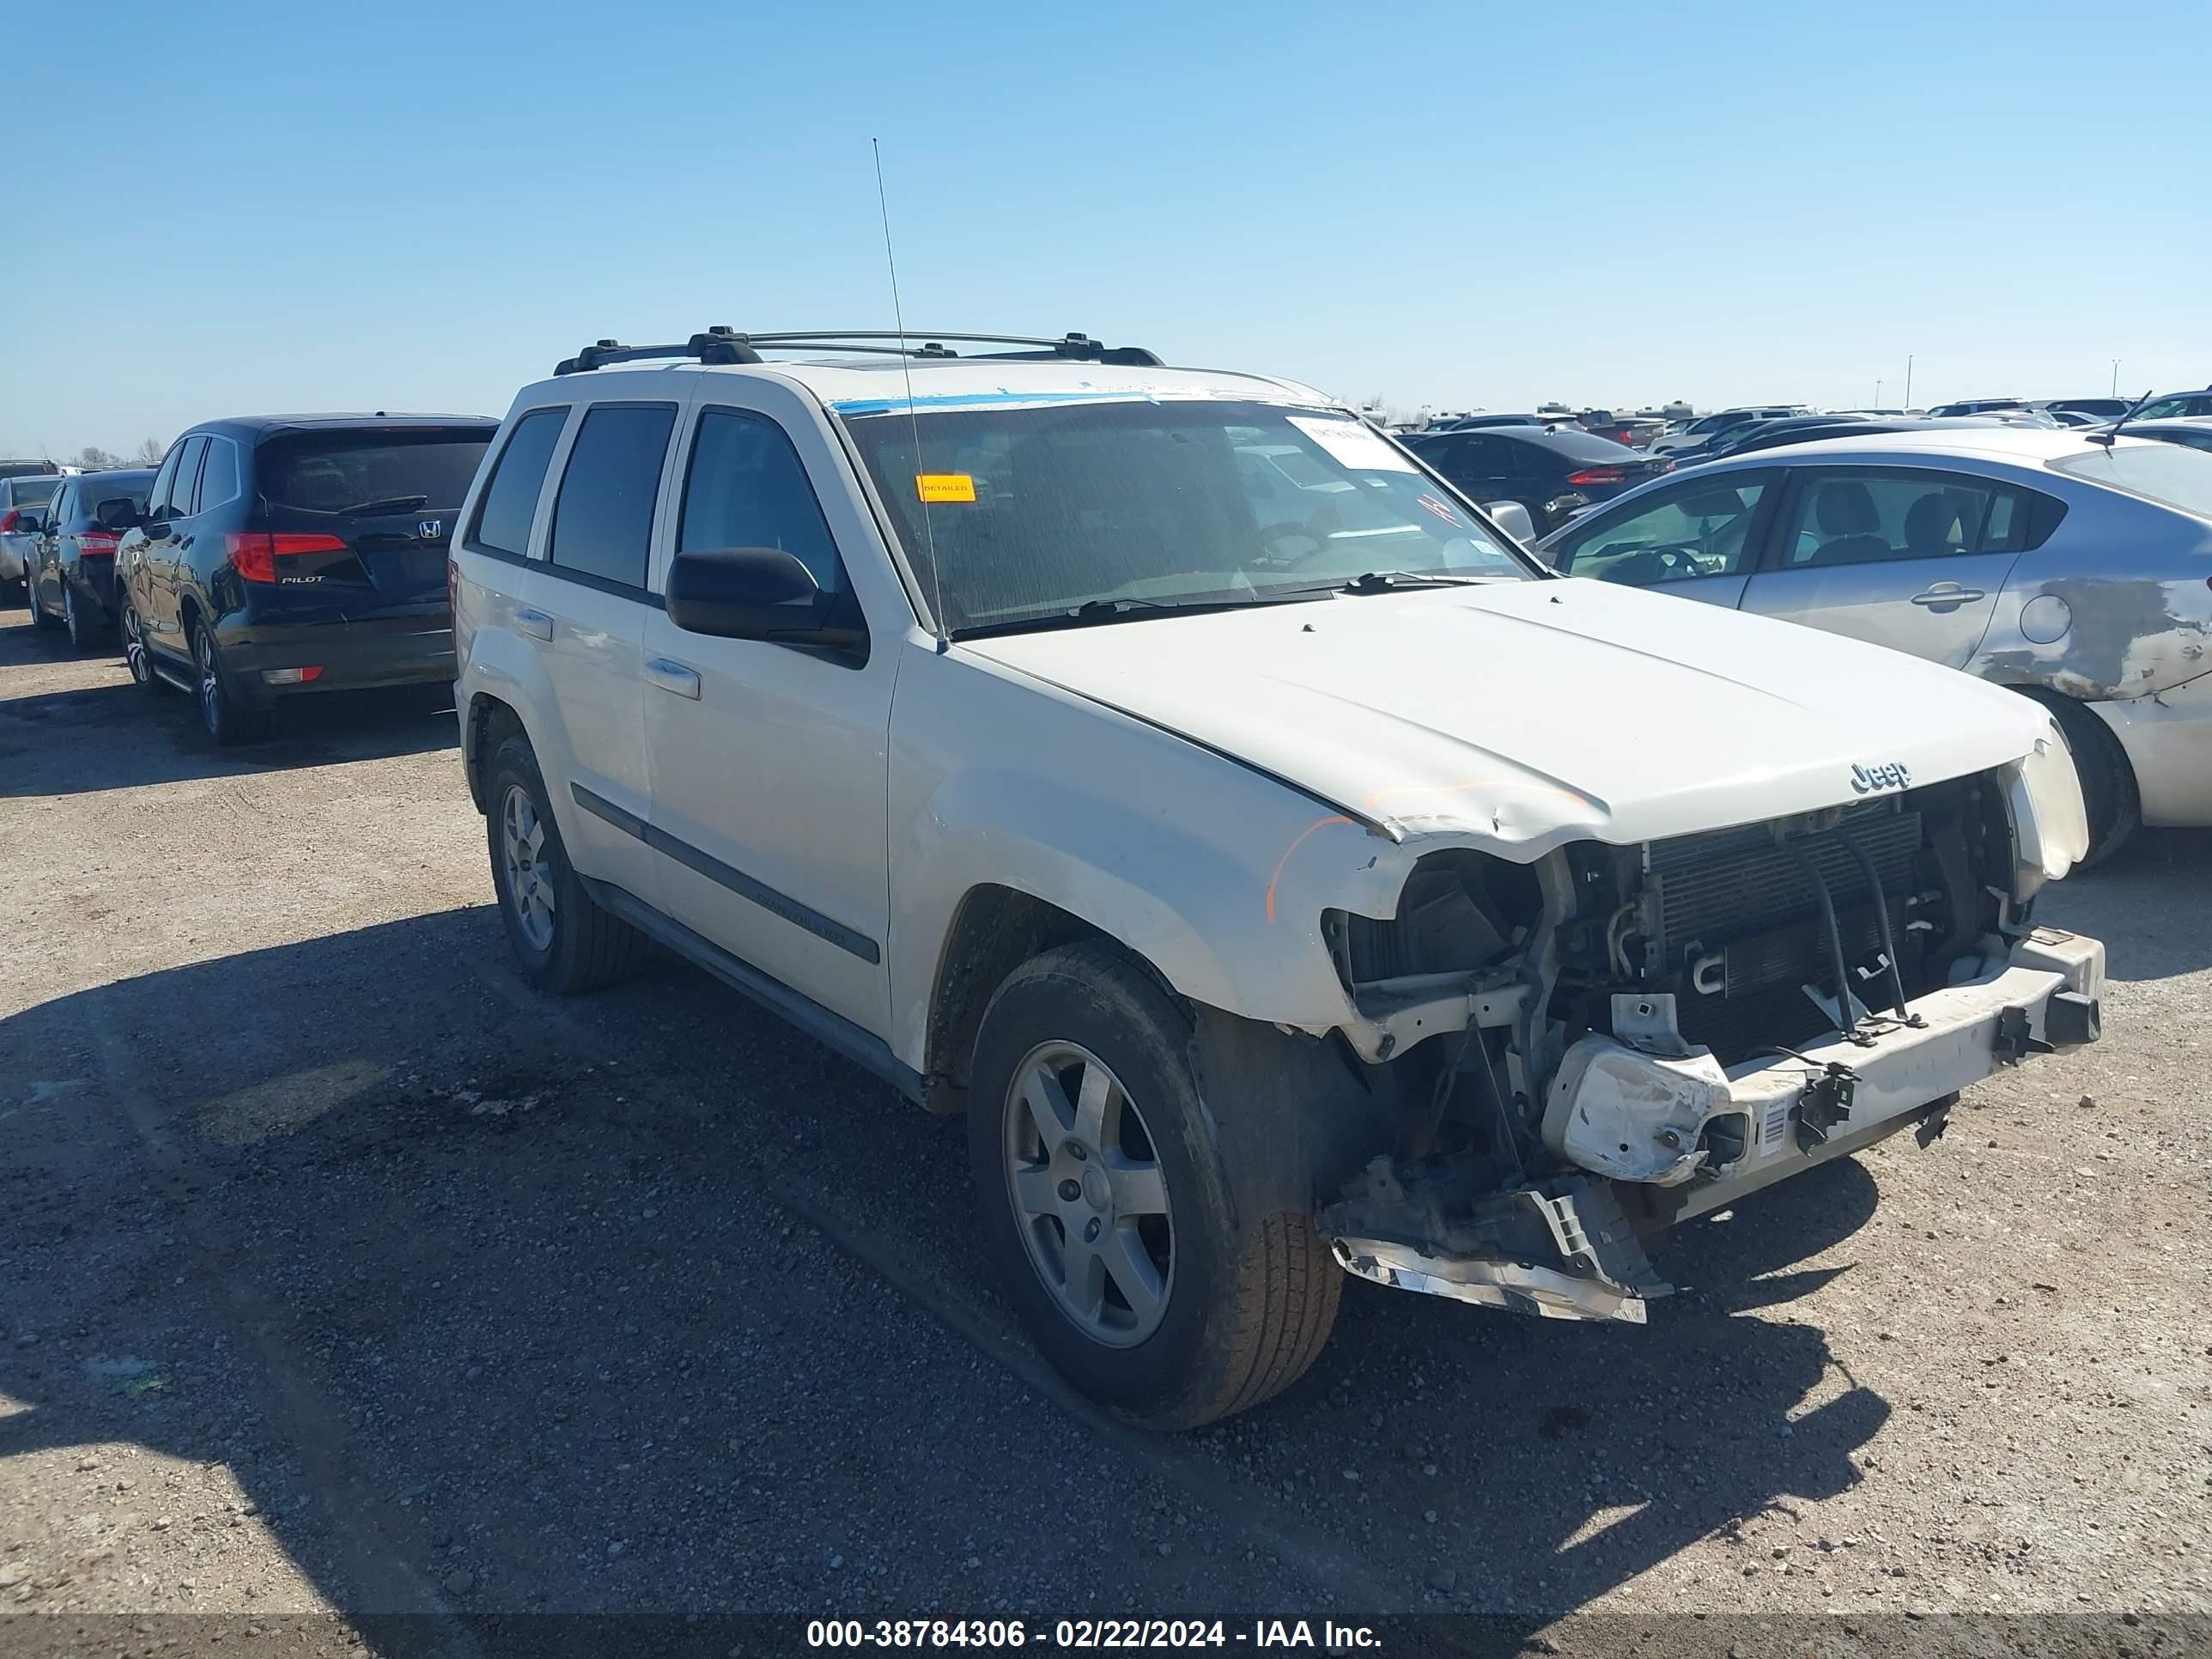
(1321, 823)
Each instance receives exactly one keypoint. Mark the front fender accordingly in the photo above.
(1216, 874)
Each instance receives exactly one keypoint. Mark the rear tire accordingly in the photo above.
(1245, 1298)
(84, 634)
(2108, 781)
(564, 940)
(39, 619)
(226, 721)
(134, 651)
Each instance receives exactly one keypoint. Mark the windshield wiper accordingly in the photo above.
(386, 504)
(1093, 611)
(1387, 582)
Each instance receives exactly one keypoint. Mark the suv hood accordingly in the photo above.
(1522, 715)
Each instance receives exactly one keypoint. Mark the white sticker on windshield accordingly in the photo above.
(1354, 443)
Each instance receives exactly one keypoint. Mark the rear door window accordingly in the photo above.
(1863, 515)
(603, 517)
(1489, 458)
(518, 477)
(370, 470)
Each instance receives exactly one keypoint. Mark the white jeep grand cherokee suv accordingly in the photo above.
(1287, 874)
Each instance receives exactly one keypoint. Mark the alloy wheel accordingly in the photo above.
(529, 884)
(210, 694)
(1090, 1199)
(134, 646)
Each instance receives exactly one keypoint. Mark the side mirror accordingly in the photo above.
(28, 523)
(1513, 518)
(116, 512)
(757, 593)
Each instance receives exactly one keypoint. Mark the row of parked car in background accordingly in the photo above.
(2044, 544)
(1224, 802)
(262, 558)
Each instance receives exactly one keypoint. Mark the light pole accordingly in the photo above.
(2116, 377)
(1877, 392)
(1908, 381)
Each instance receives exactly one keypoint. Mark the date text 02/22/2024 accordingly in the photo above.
(1087, 1633)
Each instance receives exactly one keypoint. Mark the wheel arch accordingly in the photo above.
(994, 930)
(2111, 793)
(484, 726)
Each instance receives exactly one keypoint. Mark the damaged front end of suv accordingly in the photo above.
(1607, 1039)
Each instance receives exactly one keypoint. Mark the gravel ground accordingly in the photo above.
(356, 1291)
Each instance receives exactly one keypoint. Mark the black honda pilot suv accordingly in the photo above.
(291, 553)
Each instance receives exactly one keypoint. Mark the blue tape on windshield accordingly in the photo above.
(984, 400)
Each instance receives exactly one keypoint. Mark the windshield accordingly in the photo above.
(28, 492)
(2170, 473)
(1031, 511)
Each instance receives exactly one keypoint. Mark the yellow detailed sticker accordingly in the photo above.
(944, 486)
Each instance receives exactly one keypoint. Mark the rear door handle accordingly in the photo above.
(1945, 593)
(536, 624)
(673, 676)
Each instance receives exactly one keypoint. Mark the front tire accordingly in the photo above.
(39, 619)
(227, 721)
(564, 939)
(1107, 1212)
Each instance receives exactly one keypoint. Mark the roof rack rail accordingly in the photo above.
(722, 345)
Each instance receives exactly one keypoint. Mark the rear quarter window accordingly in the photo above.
(219, 474)
(510, 499)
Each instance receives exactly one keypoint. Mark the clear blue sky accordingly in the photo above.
(398, 204)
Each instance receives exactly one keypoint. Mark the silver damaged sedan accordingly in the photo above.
(2075, 568)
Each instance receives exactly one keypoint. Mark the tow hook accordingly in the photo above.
(1826, 1103)
(2073, 1019)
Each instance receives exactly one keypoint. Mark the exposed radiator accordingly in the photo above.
(1733, 884)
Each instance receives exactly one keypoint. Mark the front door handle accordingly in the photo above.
(536, 624)
(1947, 593)
(673, 676)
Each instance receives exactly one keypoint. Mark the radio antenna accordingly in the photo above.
(914, 420)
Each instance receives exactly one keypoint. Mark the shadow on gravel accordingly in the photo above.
(475, 1322)
(1531, 1467)
(117, 737)
(2151, 903)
